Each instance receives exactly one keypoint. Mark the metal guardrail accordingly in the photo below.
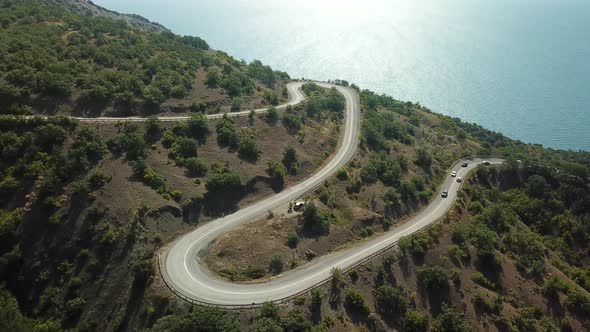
(322, 282)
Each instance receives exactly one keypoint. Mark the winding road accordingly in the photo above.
(182, 262)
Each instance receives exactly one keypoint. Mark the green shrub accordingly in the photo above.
(481, 280)
(277, 263)
(195, 166)
(292, 240)
(391, 301)
(433, 278)
(354, 301)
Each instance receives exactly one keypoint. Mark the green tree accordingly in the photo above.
(272, 115)
(415, 321)
(201, 319)
(355, 301)
(433, 278)
(184, 147)
(223, 181)
(276, 171)
(266, 325)
(195, 166)
(277, 263)
(213, 77)
(450, 320)
(314, 220)
(248, 148)
(391, 301)
(290, 159)
(197, 127)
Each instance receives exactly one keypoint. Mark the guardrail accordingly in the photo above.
(324, 281)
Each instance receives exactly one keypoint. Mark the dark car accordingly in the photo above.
(486, 162)
(444, 194)
(464, 164)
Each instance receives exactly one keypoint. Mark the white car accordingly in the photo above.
(454, 173)
(459, 179)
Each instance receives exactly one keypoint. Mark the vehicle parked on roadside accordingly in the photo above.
(454, 173)
(298, 206)
(465, 164)
(485, 162)
(459, 179)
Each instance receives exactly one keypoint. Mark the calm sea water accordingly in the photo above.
(520, 67)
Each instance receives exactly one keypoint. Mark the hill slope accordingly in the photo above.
(85, 207)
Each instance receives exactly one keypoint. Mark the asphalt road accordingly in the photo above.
(182, 262)
(296, 96)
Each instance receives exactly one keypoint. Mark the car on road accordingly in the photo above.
(454, 173)
(465, 164)
(485, 162)
(444, 194)
(459, 179)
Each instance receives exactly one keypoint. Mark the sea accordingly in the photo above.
(519, 67)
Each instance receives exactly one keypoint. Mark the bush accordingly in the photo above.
(269, 310)
(272, 115)
(449, 320)
(276, 171)
(433, 278)
(292, 122)
(481, 280)
(415, 321)
(200, 319)
(292, 240)
(277, 263)
(391, 301)
(248, 148)
(314, 220)
(354, 301)
(578, 302)
(290, 159)
(184, 147)
(195, 166)
(415, 244)
(255, 272)
(223, 181)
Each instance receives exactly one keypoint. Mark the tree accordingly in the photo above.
(276, 171)
(269, 310)
(423, 158)
(154, 128)
(213, 77)
(276, 263)
(354, 301)
(184, 147)
(226, 132)
(296, 321)
(314, 220)
(450, 320)
(248, 148)
(223, 181)
(266, 325)
(433, 278)
(290, 159)
(202, 319)
(195, 166)
(292, 240)
(272, 115)
(536, 186)
(197, 127)
(391, 301)
(11, 319)
(292, 122)
(415, 321)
